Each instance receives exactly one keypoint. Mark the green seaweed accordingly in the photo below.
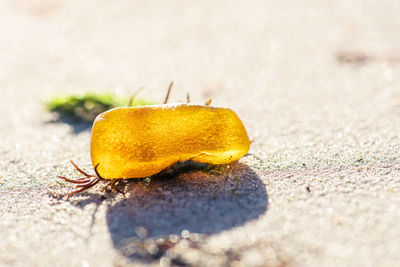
(87, 106)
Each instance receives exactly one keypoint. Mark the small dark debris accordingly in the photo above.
(353, 57)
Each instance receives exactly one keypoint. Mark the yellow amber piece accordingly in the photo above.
(142, 141)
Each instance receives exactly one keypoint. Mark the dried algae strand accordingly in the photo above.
(142, 141)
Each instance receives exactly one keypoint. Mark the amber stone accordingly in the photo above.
(142, 141)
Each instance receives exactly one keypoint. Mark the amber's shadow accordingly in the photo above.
(200, 202)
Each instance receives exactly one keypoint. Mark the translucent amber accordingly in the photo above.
(142, 141)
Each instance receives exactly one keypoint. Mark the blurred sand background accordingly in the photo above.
(317, 84)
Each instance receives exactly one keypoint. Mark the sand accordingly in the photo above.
(316, 84)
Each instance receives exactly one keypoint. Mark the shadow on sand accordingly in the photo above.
(77, 126)
(199, 202)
